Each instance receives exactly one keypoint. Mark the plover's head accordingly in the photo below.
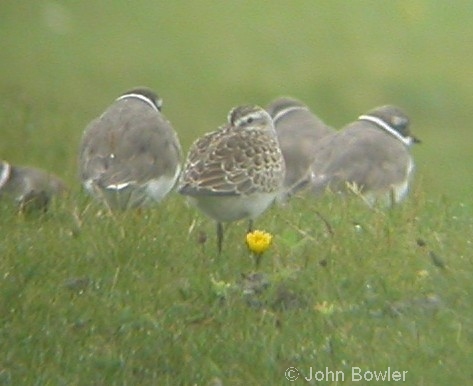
(145, 94)
(394, 118)
(284, 105)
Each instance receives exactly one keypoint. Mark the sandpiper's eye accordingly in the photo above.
(249, 120)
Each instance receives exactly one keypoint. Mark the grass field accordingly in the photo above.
(142, 298)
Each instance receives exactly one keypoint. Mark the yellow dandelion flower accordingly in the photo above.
(258, 241)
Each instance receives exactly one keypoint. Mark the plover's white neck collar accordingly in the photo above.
(288, 110)
(140, 97)
(408, 141)
(5, 175)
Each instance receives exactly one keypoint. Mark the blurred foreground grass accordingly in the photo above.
(135, 299)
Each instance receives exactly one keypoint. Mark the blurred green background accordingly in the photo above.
(63, 62)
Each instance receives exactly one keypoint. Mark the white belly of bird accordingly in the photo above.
(232, 208)
(129, 194)
(160, 187)
(395, 194)
(5, 175)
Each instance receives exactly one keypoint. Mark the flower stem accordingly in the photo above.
(257, 257)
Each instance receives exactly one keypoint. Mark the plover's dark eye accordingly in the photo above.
(249, 120)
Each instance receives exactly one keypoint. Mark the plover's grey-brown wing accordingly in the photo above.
(40, 180)
(114, 152)
(22, 180)
(30, 187)
(130, 147)
(366, 157)
(299, 130)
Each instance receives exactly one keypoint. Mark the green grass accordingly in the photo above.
(91, 299)
(135, 299)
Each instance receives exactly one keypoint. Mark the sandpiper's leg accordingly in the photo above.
(250, 225)
(219, 237)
